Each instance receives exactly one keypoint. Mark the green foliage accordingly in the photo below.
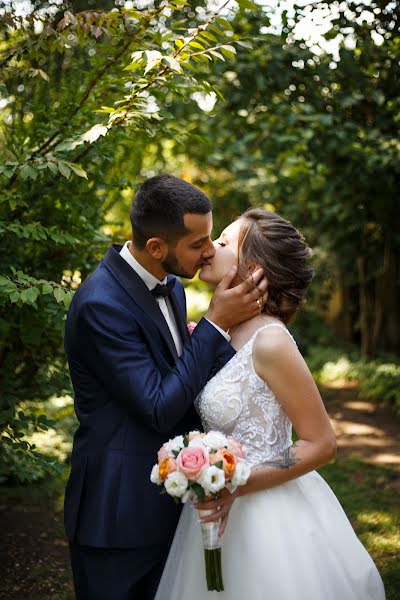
(315, 137)
(23, 289)
(320, 356)
(94, 101)
(378, 380)
(85, 95)
(36, 445)
(20, 457)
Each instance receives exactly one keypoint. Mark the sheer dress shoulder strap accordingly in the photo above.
(280, 325)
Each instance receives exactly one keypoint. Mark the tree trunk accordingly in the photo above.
(381, 290)
(346, 317)
(385, 331)
(363, 308)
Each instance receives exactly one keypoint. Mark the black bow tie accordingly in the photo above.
(163, 290)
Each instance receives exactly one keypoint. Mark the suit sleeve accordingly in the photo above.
(124, 364)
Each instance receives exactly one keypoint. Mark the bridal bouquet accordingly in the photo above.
(200, 465)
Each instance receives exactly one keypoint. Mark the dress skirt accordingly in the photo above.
(291, 542)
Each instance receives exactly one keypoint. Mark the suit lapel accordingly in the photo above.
(138, 291)
(179, 315)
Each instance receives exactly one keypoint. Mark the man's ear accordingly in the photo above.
(157, 248)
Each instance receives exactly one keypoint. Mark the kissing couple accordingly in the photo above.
(140, 378)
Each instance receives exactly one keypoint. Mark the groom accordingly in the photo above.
(136, 372)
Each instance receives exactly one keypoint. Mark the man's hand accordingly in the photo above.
(231, 306)
(220, 509)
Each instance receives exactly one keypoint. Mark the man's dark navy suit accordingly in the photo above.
(132, 393)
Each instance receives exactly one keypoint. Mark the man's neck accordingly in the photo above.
(147, 263)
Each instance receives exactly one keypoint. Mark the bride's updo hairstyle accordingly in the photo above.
(268, 240)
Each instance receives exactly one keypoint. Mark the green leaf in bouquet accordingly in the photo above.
(198, 490)
(185, 441)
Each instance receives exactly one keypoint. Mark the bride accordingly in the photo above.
(285, 534)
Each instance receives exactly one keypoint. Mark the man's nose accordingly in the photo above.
(209, 250)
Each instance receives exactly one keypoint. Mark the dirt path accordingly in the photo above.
(34, 560)
(34, 563)
(363, 429)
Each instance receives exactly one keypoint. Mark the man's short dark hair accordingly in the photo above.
(159, 206)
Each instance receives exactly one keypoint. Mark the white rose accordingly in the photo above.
(197, 443)
(212, 479)
(241, 474)
(215, 440)
(174, 445)
(155, 475)
(176, 484)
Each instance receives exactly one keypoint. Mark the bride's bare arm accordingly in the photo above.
(277, 360)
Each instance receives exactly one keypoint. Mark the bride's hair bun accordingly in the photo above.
(268, 240)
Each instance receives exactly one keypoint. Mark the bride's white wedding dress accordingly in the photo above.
(290, 542)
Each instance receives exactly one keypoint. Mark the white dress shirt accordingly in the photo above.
(165, 306)
(150, 281)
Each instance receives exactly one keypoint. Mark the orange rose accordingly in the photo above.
(228, 462)
(166, 466)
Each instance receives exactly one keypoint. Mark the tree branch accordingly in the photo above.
(163, 70)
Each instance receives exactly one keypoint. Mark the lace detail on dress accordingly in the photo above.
(239, 403)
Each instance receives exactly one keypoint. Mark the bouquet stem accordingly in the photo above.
(214, 570)
(212, 554)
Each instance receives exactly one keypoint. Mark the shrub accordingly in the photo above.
(378, 380)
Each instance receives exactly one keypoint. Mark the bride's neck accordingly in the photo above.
(240, 334)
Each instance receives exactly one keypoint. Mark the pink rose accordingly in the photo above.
(191, 326)
(192, 460)
(236, 448)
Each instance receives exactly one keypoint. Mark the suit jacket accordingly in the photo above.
(132, 393)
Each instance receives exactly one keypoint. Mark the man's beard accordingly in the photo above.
(172, 265)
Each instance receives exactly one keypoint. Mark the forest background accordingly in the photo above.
(235, 97)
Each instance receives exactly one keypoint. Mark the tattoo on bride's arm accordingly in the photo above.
(283, 461)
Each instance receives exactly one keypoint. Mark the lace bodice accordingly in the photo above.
(239, 403)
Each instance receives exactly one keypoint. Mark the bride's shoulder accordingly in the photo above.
(273, 341)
